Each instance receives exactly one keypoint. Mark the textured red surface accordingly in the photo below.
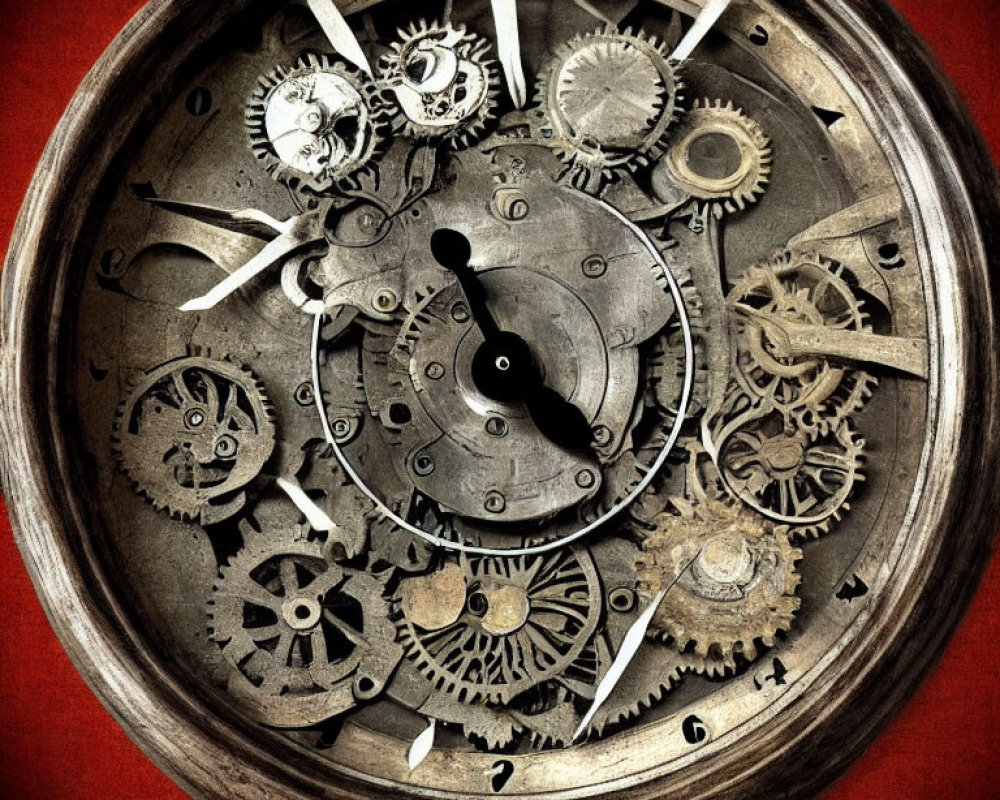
(56, 740)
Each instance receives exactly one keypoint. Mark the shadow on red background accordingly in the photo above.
(58, 743)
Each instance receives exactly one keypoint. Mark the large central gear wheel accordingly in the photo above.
(489, 628)
(314, 124)
(308, 639)
(610, 98)
(442, 83)
(192, 433)
(737, 579)
(799, 289)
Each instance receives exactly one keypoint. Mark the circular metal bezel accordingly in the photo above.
(801, 746)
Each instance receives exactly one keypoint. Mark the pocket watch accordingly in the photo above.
(464, 399)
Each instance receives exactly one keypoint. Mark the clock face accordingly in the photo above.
(471, 402)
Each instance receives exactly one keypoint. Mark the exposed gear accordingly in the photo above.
(666, 364)
(442, 83)
(737, 584)
(795, 478)
(610, 99)
(798, 290)
(192, 433)
(489, 628)
(314, 124)
(720, 158)
(309, 638)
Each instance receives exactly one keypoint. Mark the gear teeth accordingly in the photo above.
(471, 48)
(346, 175)
(711, 620)
(156, 482)
(589, 160)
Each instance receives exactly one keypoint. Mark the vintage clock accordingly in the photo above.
(459, 399)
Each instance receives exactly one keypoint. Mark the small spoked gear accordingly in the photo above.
(490, 628)
(439, 83)
(792, 477)
(720, 158)
(192, 433)
(309, 638)
(737, 585)
(314, 124)
(610, 100)
(796, 290)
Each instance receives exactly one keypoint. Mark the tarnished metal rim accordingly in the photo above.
(807, 744)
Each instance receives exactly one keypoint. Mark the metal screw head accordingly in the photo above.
(496, 426)
(622, 599)
(602, 435)
(434, 371)
(594, 266)
(226, 446)
(194, 418)
(495, 502)
(585, 479)
(341, 427)
(304, 394)
(385, 300)
(460, 312)
(423, 464)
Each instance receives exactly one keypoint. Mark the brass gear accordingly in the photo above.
(315, 124)
(719, 157)
(610, 99)
(490, 628)
(192, 433)
(801, 289)
(306, 638)
(439, 83)
(737, 585)
(793, 477)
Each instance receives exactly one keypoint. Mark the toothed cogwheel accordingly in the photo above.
(790, 476)
(792, 291)
(610, 99)
(306, 638)
(440, 83)
(314, 124)
(489, 628)
(719, 157)
(737, 584)
(191, 434)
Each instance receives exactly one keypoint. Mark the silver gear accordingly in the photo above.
(610, 99)
(314, 124)
(192, 433)
(442, 83)
(306, 638)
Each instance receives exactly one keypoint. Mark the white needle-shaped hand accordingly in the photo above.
(702, 25)
(630, 646)
(509, 49)
(317, 518)
(273, 253)
(339, 33)
(421, 746)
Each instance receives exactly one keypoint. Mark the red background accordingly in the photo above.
(58, 742)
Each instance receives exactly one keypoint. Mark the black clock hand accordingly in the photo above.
(503, 367)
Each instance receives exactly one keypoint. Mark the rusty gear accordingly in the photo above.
(192, 433)
(737, 584)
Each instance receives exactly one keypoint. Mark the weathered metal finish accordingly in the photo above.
(818, 271)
